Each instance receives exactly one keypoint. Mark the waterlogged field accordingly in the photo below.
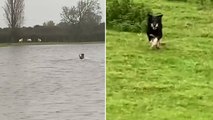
(50, 82)
(173, 83)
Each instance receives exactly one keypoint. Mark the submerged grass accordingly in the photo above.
(173, 83)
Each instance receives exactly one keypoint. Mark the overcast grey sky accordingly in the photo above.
(39, 11)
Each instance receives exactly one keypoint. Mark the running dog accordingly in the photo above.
(154, 30)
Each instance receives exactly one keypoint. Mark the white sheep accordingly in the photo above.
(39, 40)
(29, 40)
(21, 40)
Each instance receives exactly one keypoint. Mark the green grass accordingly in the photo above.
(173, 83)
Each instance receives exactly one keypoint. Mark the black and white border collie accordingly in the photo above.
(154, 30)
(81, 56)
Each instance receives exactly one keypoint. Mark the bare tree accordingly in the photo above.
(14, 13)
(86, 11)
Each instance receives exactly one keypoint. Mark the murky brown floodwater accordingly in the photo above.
(50, 82)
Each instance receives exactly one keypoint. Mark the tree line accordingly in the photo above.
(78, 23)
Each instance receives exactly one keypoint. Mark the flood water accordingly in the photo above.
(50, 82)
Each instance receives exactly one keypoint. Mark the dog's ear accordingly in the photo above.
(149, 15)
(149, 18)
(160, 16)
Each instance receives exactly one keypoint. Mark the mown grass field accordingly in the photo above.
(173, 83)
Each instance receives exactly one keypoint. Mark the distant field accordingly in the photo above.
(173, 83)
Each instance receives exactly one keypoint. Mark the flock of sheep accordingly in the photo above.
(29, 40)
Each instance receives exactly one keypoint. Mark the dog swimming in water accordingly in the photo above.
(154, 29)
(81, 56)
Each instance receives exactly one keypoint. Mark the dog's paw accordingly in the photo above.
(158, 45)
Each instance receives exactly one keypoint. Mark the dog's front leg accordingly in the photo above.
(154, 42)
(158, 45)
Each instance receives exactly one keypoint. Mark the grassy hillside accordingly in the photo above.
(173, 83)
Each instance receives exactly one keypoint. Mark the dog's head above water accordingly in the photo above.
(155, 21)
